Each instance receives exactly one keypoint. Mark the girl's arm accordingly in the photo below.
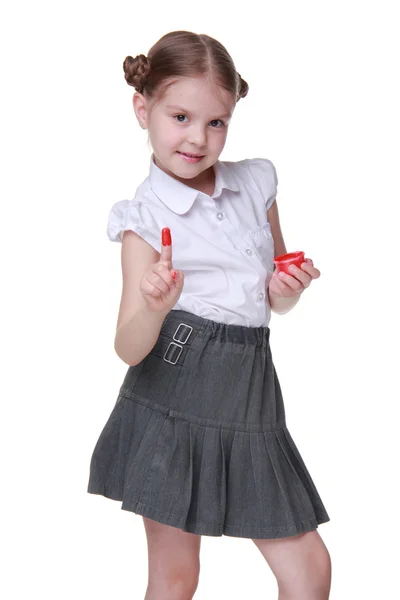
(148, 294)
(273, 218)
(284, 291)
(278, 304)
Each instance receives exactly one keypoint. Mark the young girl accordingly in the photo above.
(197, 442)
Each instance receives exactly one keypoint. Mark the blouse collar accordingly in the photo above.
(178, 196)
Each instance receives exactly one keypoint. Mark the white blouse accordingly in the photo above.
(222, 243)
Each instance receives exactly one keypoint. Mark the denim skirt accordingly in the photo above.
(198, 440)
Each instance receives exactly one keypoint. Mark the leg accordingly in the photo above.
(174, 562)
(301, 565)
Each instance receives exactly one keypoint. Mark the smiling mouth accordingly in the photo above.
(191, 155)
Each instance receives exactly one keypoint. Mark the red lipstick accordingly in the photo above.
(166, 237)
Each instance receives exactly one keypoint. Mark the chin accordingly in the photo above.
(190, 168)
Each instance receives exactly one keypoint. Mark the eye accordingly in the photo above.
(179, 119)
(217, 121)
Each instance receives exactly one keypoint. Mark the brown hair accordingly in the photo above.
(183, 54)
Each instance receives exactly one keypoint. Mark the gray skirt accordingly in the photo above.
(198, 440)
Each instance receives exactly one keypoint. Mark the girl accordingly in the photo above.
(197, 442)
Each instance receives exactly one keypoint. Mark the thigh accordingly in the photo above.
(297, 560)
(172, 552)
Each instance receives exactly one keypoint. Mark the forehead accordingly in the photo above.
(198, 95)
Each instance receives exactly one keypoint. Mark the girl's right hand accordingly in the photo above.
(162, 285)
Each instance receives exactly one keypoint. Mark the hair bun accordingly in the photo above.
(243, 87)
(136, 71)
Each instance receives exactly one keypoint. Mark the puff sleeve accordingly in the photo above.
(135, 216)
(265, 178)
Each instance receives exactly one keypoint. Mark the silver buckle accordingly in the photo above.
(177, 358)
(188, 335)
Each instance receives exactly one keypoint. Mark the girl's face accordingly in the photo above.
(191, 118)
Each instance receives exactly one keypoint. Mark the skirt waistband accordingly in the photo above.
(180, 324)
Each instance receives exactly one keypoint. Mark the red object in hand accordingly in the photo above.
(166, 237)
(284, 261)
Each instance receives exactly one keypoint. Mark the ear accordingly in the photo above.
(140, 108)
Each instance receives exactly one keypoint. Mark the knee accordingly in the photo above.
(319, 579)
(185, 584)
(175, 584)
(314, 582)
(180, 588)
(324, 568)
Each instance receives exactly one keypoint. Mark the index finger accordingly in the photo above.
(166, 247)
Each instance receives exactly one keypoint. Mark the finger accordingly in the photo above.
(309, 261)
(158, 283)
(301, 275)
(179, 280)
(166, 247)
(283, 288)
(149, 289)
(312, 271)
(164, 272)
(292, 282)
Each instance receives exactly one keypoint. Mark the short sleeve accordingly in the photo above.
(263, 173)
(133, 215)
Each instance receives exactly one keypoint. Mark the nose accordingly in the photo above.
(197, 136)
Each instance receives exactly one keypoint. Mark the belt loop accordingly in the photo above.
(186, 332)
(174, 350)
(170, 352)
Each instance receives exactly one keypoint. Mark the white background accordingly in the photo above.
(323, 105)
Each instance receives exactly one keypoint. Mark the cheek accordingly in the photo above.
(219, 140)
(169, 134)
(163, 132)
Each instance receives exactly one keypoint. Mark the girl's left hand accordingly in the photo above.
(290, 286)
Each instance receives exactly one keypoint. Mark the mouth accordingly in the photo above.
(189, 155)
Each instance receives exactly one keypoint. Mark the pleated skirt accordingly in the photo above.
(198, 440)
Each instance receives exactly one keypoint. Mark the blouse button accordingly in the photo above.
(249, 252)
(220, 216)
(260, 296)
